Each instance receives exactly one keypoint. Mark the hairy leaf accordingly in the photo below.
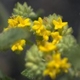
(7, 38)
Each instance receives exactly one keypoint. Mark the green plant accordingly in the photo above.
(54, 52)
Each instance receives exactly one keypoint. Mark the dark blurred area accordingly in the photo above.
(12, 64)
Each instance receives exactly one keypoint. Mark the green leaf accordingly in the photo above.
(62, 77)
(23, 10)
(28, 74)
(67, 43)
(74, 57)
(7, 38)
(3, 16)
(69, 48)
(35, 63)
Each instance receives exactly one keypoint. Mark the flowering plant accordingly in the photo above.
(52, 49)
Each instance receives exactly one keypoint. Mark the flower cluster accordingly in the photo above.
(52, 40)
(47, 40)
(18, 21)
(18, 45)
(14, 22)
(56, 65)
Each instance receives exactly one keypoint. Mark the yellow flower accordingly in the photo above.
(45, 46)
(18, 21)
(59, 24)
(23, 22)
(56, 65)
(18, 45)
(56, 37)
(59, 62)
(45, 33)
(56, 61)
(50, 72)
(38, 25)
(65, 65)
(12, 22)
